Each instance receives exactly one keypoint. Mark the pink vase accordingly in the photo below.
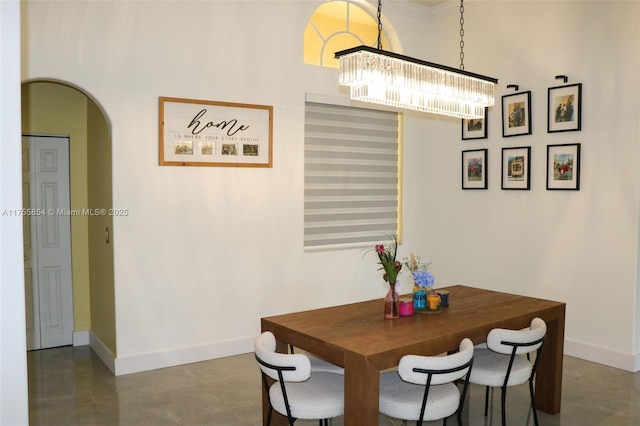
(391, 308)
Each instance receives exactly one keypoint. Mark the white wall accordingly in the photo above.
(577, 247)
(13, 348)
(203, 245)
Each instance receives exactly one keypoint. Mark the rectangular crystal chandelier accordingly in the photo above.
(387, 78)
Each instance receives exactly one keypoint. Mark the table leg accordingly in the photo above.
(361, 387)
(549, 373)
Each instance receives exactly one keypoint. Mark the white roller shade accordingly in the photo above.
(351, 190)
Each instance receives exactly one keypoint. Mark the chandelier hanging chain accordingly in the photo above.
(461, 34)
(380, 24)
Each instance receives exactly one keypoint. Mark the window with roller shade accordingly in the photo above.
(351, 172)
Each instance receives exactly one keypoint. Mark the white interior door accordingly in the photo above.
(47, 241)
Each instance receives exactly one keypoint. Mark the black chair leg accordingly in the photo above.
(486, 401)
(269, 415)
(533, 403)
(504, 400)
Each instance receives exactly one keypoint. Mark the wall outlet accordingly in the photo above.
(260, 308)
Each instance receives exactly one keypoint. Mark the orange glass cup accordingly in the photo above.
(433, 301)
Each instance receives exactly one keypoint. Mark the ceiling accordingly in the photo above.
(432, 9)
(429, 3)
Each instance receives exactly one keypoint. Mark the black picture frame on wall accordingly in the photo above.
(563, 167)
(475, 128)
(516, 168)
(516, 114)
(474, 169)
(564, 108)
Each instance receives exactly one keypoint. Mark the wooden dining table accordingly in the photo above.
(357, 337)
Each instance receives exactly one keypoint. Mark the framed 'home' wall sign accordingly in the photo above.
(207, 133)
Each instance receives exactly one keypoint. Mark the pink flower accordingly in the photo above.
(387, 256)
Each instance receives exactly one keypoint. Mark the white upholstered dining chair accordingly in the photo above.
(297, 392)
(423, 388)
(503, 362)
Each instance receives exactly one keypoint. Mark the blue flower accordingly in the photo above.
(423, 279)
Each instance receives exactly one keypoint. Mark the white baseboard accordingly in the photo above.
(152, 361)
(103, 352)
(170, 358)
(81, 338)
(628, 362)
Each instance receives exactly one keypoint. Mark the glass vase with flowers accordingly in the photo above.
(423, 293)
(391, 267)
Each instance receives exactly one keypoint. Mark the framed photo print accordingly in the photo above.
(516, 114)
(516, 168)
(475, 128)
(474, 169)
(564, 108)
(563, 167)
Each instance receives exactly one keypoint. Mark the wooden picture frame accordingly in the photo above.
(516, 168)
(516, 114)
(475, 128)
(563, 167)
(475, 169)
(209, 133)
(564, 108)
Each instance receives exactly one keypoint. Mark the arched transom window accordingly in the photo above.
(337, 25)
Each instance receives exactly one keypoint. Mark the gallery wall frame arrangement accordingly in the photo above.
(564, 107)
(516, 168)
(475, 128)
(210, 133)
(516, 113)
(563, 167)
(475, 169)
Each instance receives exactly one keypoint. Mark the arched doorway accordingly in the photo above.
(58, 108)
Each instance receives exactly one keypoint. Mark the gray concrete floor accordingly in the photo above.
(71, 386)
